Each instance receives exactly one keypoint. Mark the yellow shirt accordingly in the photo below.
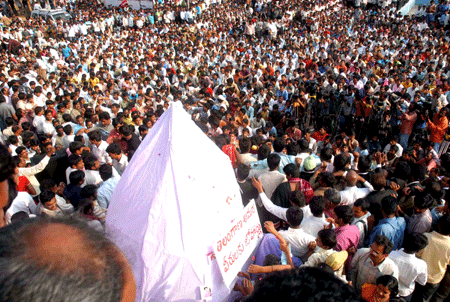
(436, 255)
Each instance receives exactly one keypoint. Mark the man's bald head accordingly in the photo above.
(351, 178)
(61, 260)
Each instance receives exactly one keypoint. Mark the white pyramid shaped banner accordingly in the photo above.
(175, 195)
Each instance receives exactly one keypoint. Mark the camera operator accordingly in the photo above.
(408, 119)
(438, 127)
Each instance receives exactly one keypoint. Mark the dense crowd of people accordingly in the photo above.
(334, 116)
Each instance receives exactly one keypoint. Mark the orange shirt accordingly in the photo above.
(438, 128)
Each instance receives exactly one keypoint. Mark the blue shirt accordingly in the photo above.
(66, 51)
(106, 191)
(392, 228)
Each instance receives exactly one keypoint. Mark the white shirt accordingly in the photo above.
(411, 269)
(92, 177)
(298, 240)
(30, 173)
(350, 194)
(398, 153)
(22, 203)
(278, 211)
(100, 153)
(312, 224)
(121, 164)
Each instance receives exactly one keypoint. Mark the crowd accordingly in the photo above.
(334, 116)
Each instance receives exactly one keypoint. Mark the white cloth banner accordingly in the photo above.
(172, 201)
(237, 242)
(134, 4)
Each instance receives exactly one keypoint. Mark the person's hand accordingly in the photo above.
(255, 269)
(50, 151)
(394, 186)
(257, 184)
(350, 283)
(351, 250)
(269, 227)
(312, 245)
(330, 223)
(247, 287)
(418, 188)
(378, 157)
(406, 191)
(284, 246)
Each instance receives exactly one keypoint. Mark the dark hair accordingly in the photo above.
(27, 275)
(390, 282)
(364, 163)
(303, 284)
(326, 154)
(327, 178)
(76, 177)
(105, 171)
(384, 241)
(114, 148)
(328, 238)
(263, 152)
(344, 212)
(291, 170)
(75, 146)
(273, 160)
(389, 205)
(242, 172)
(47, 184)
(332, 196)
(103, 116)
(294, 216)
(46, 196)
(245, 144)
(19, 216)
(423, 200)
(74, 159)
(95, 135)
(279, 144)
(297, 198)
(378, 181)
(317, 205)
(325, 267)
(271, 259)
(414, 242)
(89, 161)
(89, 191)
(340, 161)
(67, 129)
(362, 203)
(444, 224)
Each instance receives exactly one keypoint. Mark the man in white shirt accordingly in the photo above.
(271, 179)
(316, 222)
(296, 236)
(99, 147)
(119, 160)
(92, 176)
(351, 192)
(22, 203)
(30, 172)
(394, 142)
(411, 269)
